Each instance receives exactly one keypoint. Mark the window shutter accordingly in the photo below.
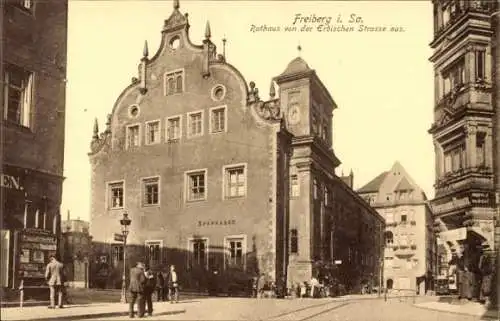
(27, 95)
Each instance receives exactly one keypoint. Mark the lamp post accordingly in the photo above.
(124, 222)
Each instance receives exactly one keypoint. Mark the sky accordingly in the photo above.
(381, 81)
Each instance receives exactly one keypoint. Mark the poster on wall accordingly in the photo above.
(4, 257)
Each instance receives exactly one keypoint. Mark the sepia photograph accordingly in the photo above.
(250, 160)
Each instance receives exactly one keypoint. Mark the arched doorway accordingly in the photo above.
(389, 284)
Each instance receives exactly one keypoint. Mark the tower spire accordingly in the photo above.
(176, 4)
(208, 33)
(145, 51)
(96, 129)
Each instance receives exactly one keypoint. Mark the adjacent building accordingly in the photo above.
(76, 249)
(33, 56)
(410, 244)
(215, 177)
(463, 130)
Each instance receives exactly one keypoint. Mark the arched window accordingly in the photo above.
(389, 284)
(178, 87)
(171, 86)
(389, 237)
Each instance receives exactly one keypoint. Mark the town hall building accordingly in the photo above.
(215, 176)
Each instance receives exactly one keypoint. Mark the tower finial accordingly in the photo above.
(176, 5)
(224, 40)
(272, 90)
(208, 33)
(145, 51)
(96, 129)
(299, 48)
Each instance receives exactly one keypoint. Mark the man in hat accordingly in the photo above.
(136, 288)
(54, 277)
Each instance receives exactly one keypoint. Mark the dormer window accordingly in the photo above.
(174, 82)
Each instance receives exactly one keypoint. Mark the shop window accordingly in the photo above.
(198, 250)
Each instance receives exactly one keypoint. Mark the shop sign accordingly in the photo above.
(216, 222)
(10, 182)
(454, 204)
(454, 235)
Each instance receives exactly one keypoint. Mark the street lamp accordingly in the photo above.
(124, 222)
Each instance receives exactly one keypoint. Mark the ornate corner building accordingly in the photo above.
(33, 71)
(410, 243)
(214, 177)
(463, 129)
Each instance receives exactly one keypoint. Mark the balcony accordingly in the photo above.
(464, 178)
(462, 13)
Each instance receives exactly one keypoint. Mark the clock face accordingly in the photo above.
(293, 115)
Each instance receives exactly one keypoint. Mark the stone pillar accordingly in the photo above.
(470, 145)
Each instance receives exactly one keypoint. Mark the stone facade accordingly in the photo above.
(214, 177)
(34, 40)
(410, 244)
(463, 128)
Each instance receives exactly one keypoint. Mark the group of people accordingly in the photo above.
(144, 282)
(473, 280)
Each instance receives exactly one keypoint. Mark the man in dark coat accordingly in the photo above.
(149, 288)
(136, 288)
(160, 287)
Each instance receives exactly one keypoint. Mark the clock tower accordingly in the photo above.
(308, 109)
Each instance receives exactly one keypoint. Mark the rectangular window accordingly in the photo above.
(480, 65)
(174, 82)
(403, 219)
(133, 138)
(150, 188)
(480, 149)
(18, 91)
(152, 132)
(294, 241)
(454, 76)
(115, 197)
(294, 186)
(174, 130)
(153, 252)
(235, 181)
(235, 257)
(198, 253)
(195, 124)
(218, 120)
(196, 185)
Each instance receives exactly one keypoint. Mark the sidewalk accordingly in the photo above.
(87, 311)
(469, 308)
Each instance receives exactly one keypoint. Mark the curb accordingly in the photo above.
(99, 315)
(481, 317)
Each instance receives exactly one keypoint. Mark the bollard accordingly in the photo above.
(21, 294)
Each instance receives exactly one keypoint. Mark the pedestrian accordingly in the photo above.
(486, 270)
(173, 285)
(160, 287)
(149, 288)
(261, 283)
(136, 288)
(54, 277)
